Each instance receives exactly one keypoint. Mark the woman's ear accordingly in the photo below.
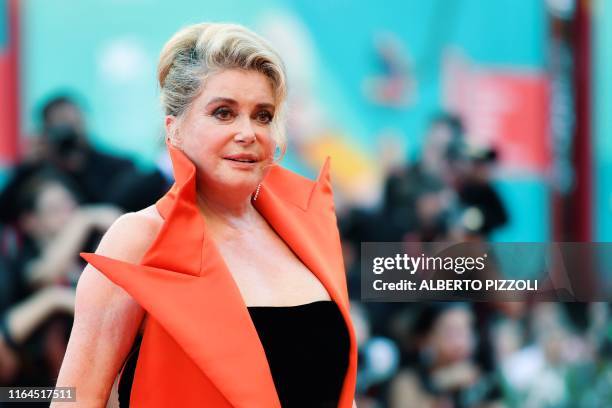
(172, 133)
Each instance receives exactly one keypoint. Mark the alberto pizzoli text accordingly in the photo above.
(458, 285)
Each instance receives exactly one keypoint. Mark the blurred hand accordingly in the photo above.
(100, 216)
(34, 148)
(456, 376)
(9, 363)
(427, 206)
(61, 298)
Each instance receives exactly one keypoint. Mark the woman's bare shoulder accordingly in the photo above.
(107, 318)
(131, 235)
(128, 239)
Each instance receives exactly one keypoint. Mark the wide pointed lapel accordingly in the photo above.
(302, 213)
(204, 316)
(184, 283)
(177, 246)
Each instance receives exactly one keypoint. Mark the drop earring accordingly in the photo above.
(256, 192)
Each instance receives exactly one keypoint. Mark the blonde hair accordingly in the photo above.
(200, 50)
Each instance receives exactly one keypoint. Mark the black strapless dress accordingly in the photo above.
(307, 347)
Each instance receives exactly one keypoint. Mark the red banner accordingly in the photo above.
(9, 91)
(505, 109)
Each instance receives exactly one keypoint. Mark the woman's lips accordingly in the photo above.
(241, 164)
(242, 157)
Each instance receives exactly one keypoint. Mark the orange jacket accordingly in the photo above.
(200, 347)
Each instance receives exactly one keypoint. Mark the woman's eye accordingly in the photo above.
(264, 117)
(223, 114)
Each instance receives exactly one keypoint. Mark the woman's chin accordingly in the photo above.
(246, 183)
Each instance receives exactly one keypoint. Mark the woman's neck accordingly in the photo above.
(226, 211)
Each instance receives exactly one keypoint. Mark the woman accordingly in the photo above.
(444, 370)
(236, 274)
(56, 228)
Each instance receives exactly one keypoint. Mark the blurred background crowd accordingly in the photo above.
(464, 120)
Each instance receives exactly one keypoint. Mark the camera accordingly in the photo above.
(64, 139)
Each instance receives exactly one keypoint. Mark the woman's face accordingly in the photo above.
(227, 131)
(54, 207)
(452, 337)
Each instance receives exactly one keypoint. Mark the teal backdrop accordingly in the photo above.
(105, 52)
(602, 126)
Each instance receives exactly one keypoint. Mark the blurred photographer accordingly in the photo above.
(64, 143)
(419, 199)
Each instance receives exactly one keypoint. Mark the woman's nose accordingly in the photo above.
(246, 132)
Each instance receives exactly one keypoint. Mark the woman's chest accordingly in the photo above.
(268, 273)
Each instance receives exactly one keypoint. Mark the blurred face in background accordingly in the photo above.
(66, 115)
(54, 206)
(436, 143)
(452, 338)
(227, 132)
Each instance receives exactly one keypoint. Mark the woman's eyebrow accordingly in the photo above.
(268, 106)
(218, 99)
